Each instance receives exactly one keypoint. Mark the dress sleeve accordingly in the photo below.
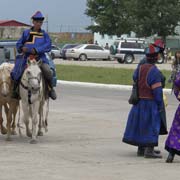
(155, 82)
(21, 41)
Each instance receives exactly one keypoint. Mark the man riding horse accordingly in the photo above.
(34, 41)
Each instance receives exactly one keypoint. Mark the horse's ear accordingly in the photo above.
(39, 62)
(28, 62)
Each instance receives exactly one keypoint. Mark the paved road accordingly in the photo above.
(114, 64)
(84, 142)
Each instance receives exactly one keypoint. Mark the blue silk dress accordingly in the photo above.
(143, 124)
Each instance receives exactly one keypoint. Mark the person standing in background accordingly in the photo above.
(144, 120)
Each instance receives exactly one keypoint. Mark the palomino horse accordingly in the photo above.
(6, 100)
(32, 98)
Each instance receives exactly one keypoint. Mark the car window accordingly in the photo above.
(133, 45)
(73, 45)
(78, 46)
(98, 48)
(54, 48)
(65, 46)
(8, 54)
(93, 47)
(68, 46)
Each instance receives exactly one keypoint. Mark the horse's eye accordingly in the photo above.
(28, 73)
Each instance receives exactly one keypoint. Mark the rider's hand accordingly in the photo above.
(24, 49)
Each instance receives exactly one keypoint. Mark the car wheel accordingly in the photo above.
(121, 61)
(83, 57)
(129, 58)
(161, 60)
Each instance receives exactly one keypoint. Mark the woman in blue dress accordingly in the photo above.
(144, 120)
(34, 41)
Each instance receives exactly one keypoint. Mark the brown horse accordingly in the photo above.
(10, 105)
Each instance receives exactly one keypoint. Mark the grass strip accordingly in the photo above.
(99, 74)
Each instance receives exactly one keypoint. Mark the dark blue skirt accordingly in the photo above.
(143, 124)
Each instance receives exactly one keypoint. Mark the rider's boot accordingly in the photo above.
(48, 75)
(15, 90)
(52, 92)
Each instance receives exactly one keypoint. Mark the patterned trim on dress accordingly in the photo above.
(156, 85)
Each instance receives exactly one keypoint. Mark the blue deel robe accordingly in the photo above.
(143, 124)
(40, 41)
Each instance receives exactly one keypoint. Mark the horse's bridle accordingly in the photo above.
(31, 91)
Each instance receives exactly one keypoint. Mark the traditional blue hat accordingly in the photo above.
(38, 16)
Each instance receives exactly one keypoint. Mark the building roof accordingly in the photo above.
(12, 23)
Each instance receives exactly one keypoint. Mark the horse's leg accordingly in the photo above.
(34, 115)
(3, 129)
(9, 120)
(25, 118)
(14, 112)
(28, 131)
(40, 132)
(46, 115)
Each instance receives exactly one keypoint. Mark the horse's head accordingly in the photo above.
(32, 75)
(5, 79)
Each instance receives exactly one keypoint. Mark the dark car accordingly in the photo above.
(8, 53)
(64, 49)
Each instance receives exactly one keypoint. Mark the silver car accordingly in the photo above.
(55, 52)
(84, 52)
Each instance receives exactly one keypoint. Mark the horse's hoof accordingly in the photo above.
(40, 133)
(46, 130)
(29, 134)
(3, 130)
(13, 132)
(33, 141)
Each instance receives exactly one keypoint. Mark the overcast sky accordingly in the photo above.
(63, 15)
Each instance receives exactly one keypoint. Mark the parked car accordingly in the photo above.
(128, 50)
(8, 53)
(55, 52)
(84, 52)
(64, 49)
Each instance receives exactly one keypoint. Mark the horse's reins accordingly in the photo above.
(30, 91)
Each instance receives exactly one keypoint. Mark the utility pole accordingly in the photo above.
(46, 21)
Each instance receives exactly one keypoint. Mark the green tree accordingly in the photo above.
(111, 16)
(144, 17)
